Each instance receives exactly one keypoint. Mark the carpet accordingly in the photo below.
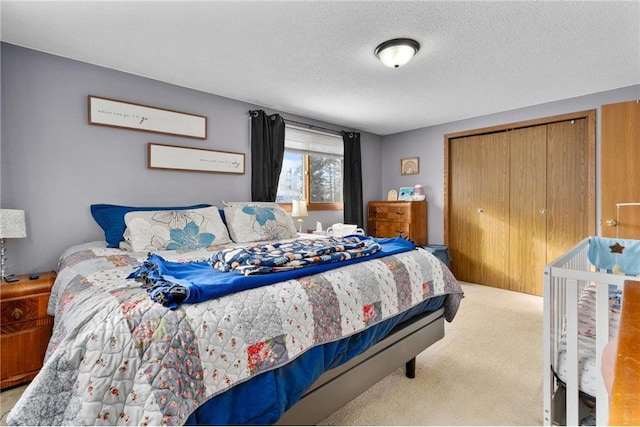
(487, 370)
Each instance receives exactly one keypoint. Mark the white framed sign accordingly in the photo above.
(127, 115)
(173, 157)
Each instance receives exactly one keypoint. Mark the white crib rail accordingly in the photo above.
(564, 279)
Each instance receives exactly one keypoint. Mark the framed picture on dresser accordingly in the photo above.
(406, 193)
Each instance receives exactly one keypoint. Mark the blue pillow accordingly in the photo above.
(111, 219)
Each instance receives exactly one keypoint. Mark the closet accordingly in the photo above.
(517, 196)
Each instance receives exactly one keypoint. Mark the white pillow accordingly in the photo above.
(179, 229)
(253, 223)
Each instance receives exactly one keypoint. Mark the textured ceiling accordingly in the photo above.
(315, 58)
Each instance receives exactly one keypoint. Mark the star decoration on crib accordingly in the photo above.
(617, 248)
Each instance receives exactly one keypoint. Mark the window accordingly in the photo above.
(312, 169)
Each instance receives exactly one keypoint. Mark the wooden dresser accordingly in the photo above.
(392, 219)
(25, 327)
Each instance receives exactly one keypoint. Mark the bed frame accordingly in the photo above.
(564, 279)
(337, 387)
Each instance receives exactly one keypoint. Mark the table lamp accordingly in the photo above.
(299, 210)
(12, 225)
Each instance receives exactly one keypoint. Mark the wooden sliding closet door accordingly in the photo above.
(517, 197)
(479, 208)
(527, 208)
(568, 186)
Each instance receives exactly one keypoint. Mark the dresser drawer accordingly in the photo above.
(392, 229)
(406, 219)
(390, 212)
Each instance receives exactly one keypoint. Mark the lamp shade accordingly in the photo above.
(299, 209)
(12, 224)
(397, 52)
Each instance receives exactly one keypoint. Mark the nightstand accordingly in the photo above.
(25, 327)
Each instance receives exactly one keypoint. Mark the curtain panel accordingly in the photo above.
(352, 191)
(267, 153)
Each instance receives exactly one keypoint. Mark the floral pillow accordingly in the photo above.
(179, 229)
(252, 223)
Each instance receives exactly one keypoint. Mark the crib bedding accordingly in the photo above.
(117, 357)
(588, 371)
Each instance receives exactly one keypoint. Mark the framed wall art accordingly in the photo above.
(410, 166)
(127, 115)
(173, 157)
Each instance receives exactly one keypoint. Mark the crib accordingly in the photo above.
(566, 282)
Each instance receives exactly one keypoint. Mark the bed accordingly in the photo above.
(582, 304)
(131, 346)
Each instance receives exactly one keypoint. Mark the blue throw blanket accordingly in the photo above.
(173, 283)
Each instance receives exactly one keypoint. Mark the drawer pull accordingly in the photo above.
(16, 314)
(399, 213)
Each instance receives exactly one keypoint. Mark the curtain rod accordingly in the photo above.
(337, 132)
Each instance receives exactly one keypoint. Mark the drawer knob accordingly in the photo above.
(16, 314)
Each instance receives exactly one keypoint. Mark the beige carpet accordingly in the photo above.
(486, 371)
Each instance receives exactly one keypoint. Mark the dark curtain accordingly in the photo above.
(267, 152)
(352, 191)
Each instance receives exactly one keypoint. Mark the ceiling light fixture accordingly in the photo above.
(397, 52)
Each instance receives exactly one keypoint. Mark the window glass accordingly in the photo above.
(291, 184)
(325, 179)
(312, 169)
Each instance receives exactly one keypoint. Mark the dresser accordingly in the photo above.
(25, 327)
(401, 218)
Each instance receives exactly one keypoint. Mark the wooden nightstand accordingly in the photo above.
(25, 327)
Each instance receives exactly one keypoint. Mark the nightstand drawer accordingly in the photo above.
(25, 327)
(18, 311)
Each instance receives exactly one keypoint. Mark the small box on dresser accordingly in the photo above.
(25, 327)
(402, 218)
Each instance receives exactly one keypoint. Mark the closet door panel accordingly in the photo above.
(479, 210)
(463, 220)
(567, 186)
(527, 209)
(493, 208)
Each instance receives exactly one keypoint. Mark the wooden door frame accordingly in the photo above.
(590, 115)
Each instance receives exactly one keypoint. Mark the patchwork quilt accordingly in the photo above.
(117, 357)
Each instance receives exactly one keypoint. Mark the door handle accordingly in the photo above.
(611, 222)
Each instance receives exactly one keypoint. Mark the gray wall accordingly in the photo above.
(428, 144)
(54, 164)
